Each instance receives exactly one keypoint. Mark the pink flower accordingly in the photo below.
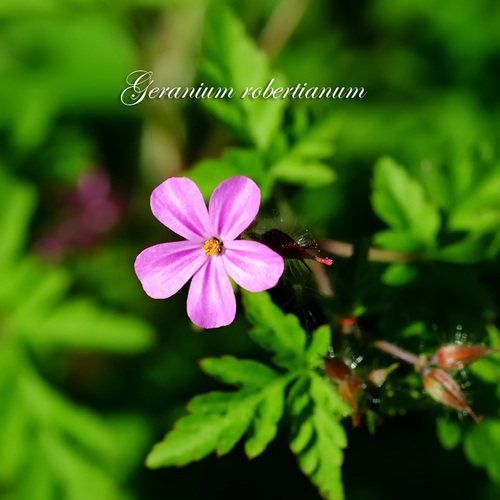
(210, 254)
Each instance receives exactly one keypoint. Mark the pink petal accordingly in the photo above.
(253, 266)
(211, 302)
(233, 207)
(178, 204)
(164, 269)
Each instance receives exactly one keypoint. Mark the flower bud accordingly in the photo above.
(350, 390)
(379, 376)
(288, 248)
(337, 370)
(441, 387)
(454, 357)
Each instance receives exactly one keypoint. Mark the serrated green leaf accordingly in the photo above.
(193, 437)
(196, 436)
(298, 397)
(242, 373)
(275, 331)
(231, 59)
(264, 426)
(326, 395)
(214, 402)
(400, 201)
(309, 457)
(303, 435)
(218, 420)
(300, 406)
(318, 347)
(232, 434)
(317, 435)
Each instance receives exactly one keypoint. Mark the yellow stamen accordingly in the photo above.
(212, 247)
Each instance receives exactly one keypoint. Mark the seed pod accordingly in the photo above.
(455, 357)
(441, 387)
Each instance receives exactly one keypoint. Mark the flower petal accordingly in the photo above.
(254, 266)
(164, 269)
(233, 207)
(211, 302)
(178, 204)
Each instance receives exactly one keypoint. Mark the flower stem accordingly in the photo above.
(343, 249)
(409, 357)
(281, 25)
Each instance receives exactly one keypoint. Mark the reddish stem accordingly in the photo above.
(409, 357)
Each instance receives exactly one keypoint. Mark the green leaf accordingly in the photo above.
(264, 426)
(303, 164)
(17, 203)
(208, 174)
(317, 435)
(449, 433)
(318, 347)
(218, 420)
(275, 331)
(196, 436)
(482, 447)
(479, 211)
(77, 477)
(13, 418)
(193, 438)
(310, 174)
(231, 59)
(399, 274)
(400, 201)
(81, 324)
(75, 423)
(242, 373)
(399, 241)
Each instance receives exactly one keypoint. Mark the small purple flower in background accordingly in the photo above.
(86, 213)
(210, 253)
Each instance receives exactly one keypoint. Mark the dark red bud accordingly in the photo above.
(337, 370)
(288, 248)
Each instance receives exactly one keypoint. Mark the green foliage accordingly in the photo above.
(47, 440)
(303, 159)
(413, 209)
(218, 420)
(231, 59)
(208, 174)
(401, 202)
(317, 438)
(449, 433)
(482, 447)
(431, 104)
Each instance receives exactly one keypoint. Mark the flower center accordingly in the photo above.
(212, 247)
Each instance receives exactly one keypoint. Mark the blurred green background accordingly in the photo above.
(92, 371)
